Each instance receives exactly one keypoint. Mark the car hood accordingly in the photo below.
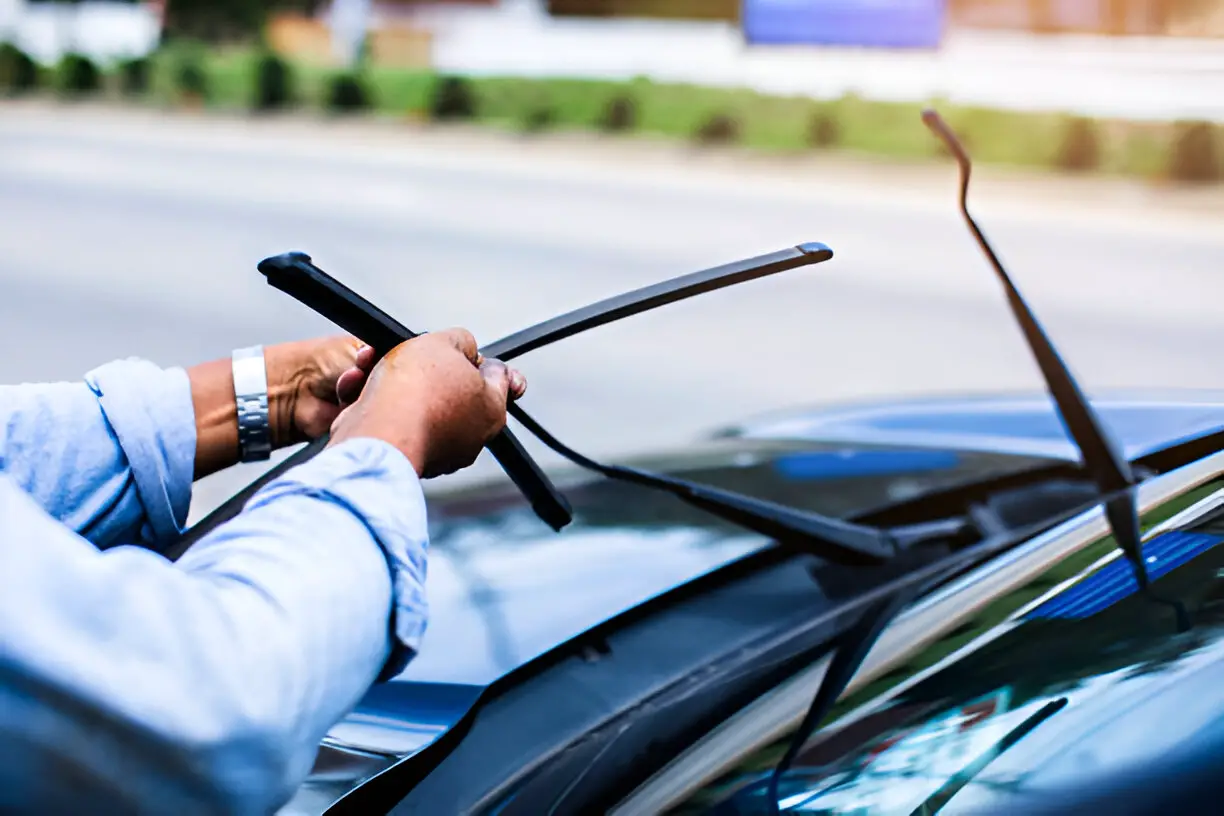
(503, 589)
(1142, 422)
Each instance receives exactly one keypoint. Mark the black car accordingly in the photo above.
(975, 605)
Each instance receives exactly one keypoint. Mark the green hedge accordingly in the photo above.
(184, 72)
(77, 75)
(18, 73)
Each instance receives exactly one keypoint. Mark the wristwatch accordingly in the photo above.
(251, 393)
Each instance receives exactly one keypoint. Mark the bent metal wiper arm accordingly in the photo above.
(1101, 455)
(1102, 459)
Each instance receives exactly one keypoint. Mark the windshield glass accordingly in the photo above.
(1049, 664)
(497, 575)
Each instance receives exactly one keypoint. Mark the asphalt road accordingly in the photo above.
(129, 234)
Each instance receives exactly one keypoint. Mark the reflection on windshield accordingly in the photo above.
(916, 768)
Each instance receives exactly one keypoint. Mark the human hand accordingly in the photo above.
(309, 382)
(435, 399)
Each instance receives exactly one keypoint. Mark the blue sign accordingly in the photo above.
(874, 23)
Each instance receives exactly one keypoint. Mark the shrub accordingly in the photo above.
(347, 93)
(134, 77)
(273, 83)
(721, 128)
(823, 130)
(1080, 149)
(452, 99)
(620, 114)
(1195, 153)
(18, 73)
(189, 78)
(538, 118)
(76, 74)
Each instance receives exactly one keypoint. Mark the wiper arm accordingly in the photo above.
(1102, 460)
(839, 541)
(1101, 456)
(842, 542)
(340, 303)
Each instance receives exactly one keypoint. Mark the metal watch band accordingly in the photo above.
(251, 393)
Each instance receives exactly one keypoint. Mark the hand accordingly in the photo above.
(435, 399)
(309, 382)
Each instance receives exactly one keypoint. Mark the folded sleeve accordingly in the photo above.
(111, 457)
(130, 683)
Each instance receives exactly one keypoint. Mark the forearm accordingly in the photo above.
(208, 683)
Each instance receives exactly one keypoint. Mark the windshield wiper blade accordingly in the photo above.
(579, 320)
(1101, 456)
(652, 297)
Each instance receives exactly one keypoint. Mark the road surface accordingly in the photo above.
(126, 233)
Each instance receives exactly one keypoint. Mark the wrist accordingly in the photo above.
(364, 427)
(288, 369)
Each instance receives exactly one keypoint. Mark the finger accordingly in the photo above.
(365, 358)
(463, 340)
(518, 384)
(349, 385)
(497, 388)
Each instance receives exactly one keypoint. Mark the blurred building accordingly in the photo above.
(101, 29)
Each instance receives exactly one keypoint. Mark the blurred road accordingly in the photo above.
(129, 234)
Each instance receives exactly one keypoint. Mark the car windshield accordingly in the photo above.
(1062, 650)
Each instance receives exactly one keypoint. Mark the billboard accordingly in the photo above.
(870, 23)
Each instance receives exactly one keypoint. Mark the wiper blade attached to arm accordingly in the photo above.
(839, 541)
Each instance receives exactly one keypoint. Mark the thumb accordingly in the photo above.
(497, 379)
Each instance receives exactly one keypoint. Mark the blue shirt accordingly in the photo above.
(130, 683)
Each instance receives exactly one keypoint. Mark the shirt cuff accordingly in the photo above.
(376, 483)
(151, 413)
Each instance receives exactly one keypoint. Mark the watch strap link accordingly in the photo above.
(251, 394)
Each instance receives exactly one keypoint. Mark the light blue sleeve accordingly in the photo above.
(129, 683)
(111, 457)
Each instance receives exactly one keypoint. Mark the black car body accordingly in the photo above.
(654, 658)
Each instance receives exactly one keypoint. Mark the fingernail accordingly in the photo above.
(517, 382)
